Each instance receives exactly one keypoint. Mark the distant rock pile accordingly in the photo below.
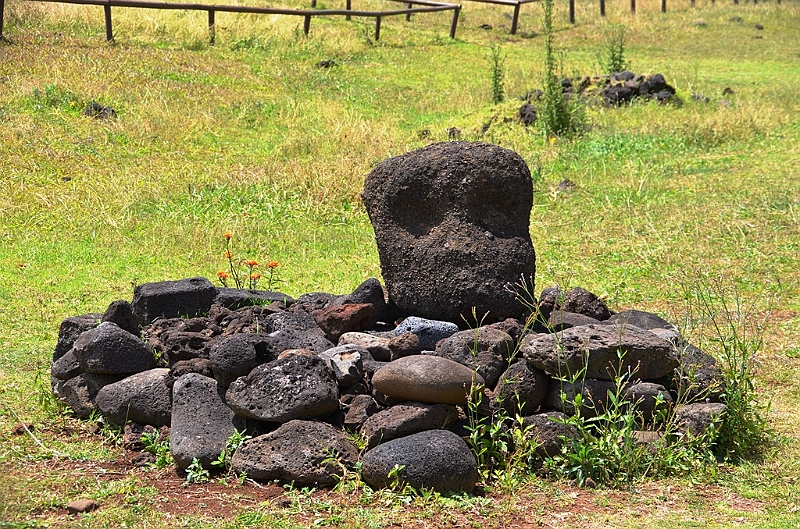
(612, 90)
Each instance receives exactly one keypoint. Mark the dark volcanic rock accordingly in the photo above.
(370, 291)
(337, 320)
(452, 226)
(66, 367)
(359, 409)
(236, 298)
(646, 396)
(561, 319)
(236, 355)
(522, 388)
(434, 459)
(121, 313)
(108, 350)
(173, 299)
(201, 422)
(581, 301)
(143, 398)
(71, 328)
(295, 387)
(549, 431)
(201, 366)
(647, 355)
(696, 418)
(79, 392)
(297, 452)
(406, 419)
(593, 392)
(484, 350)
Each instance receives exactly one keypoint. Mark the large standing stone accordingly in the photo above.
(299, 452)
(423, 378)
(434, 459)
(294, 387)
(452, 223)
(598, 345)
(143, 398)
(201, 422)
(109, 350)
(173, 299)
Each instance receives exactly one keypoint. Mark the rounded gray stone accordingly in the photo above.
(484, 350)
(434, 459)
(424, 378)
(143, 398)
(406, 419)
(109, 350)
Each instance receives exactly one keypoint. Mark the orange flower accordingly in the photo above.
(272, 265)
(228, 254)
(251, 263)
(222, 275)
(255, 277)
(227, 235)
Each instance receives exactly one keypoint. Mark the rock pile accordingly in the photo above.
(296, 376)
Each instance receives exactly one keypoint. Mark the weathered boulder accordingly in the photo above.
(359, 408)
(561, 319)
(594, 396)
(236, 298)
(429, 332)
(483, 350)
(294, 387)
(423, 378)
(66, 367)
(548, 429)
(697, 418)
(649, 398)
(371, 292)
(406, 344)
(452, 224)
(201, 422)
(698, 377)
(581, 301)
(201, 366)
(236, 355)
(173, 299)
(280, 341)
(121, 313)
(143, 398)
(69, 331)
(345, 361)
(434, 459)
(645, 354)
(406, 419)
(378, 346)
(79, 392)
(177, 339)
(522, 388)
(299, 452)
(339, 319)
(109, 350)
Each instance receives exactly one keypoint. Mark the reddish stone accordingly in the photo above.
(335, 321)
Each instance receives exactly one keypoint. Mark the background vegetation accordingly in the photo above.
(251, 136)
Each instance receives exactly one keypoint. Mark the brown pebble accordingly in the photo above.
(19, 429)
(81, 506)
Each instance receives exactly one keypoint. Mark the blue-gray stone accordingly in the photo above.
(428, 331)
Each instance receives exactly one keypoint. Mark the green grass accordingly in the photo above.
(249, 136)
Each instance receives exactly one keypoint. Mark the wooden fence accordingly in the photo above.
(412, 6)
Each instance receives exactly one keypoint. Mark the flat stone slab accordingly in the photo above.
(598, 346)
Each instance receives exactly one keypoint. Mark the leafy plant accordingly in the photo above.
(558, 117)
(734, 330)
(158, 447)
(497, 62)
(244, 272)
(195, 473)
(231, 445)
(612, 56)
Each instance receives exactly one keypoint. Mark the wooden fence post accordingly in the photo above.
(602, 8)
(306, 25)
(456, 13)
(212, 31)
(408, 15)
(347, 6)
(2, 10)
(109, 29)
(633, 7)
(663, 6)
(515, 20)
(571, 11)
(377, 28)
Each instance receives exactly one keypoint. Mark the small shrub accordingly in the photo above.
(612, 57)
(231, 445)
(497, 62)
(158, 447)
(195, 473)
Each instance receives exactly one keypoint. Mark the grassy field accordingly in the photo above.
(250, 136)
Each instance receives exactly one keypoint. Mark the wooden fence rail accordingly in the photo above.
(423, 6)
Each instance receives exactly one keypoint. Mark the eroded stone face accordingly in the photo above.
(452, 226)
